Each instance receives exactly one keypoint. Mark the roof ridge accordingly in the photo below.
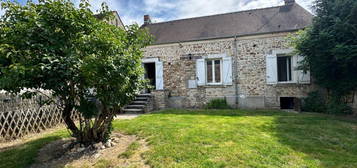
(192, 18)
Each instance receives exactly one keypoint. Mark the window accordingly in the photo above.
(213, 68)
(284, 68)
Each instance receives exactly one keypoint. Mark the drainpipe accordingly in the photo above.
(236, 71)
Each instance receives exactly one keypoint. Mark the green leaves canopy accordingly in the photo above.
(330, 45)
(55, 46)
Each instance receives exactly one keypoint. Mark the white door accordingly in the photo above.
(159, 75)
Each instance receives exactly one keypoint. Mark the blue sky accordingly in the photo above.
(132, 11)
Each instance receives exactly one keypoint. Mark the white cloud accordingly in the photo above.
(157, 6)
(2, 11)
(194, 8)
(128, 16)
(164, 10)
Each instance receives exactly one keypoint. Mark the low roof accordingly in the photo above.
(257, 21)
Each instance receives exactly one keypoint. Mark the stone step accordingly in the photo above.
(144, 95)
(133, 110)
(139, 103)
(141, 98)
(133, 106)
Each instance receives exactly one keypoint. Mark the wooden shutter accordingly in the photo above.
(271, 69)
(159, 75)
(227, 71)
(303, 78)
(200, 72)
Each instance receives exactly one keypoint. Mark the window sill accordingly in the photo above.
(288, 84)
(214, 84)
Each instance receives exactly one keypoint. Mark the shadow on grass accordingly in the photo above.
(330, 140)
(324, 140)
(23, 155)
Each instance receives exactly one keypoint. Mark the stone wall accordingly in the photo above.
(249, 89)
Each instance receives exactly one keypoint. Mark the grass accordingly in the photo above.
(102, 163)
(24, 155)
(227, 138)
(130, 150)
(238, 138)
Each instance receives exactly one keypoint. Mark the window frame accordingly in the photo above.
(213, 71)
(288, 75)
(286, 52)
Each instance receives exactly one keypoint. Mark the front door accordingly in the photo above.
(150, 74)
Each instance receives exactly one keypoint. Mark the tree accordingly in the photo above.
(329, 47)
(87, 64)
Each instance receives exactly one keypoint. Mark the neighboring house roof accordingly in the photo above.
(257, 21)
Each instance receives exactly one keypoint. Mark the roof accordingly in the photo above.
(257, 21)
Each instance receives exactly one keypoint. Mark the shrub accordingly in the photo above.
(218, 104)
(334, 107)
(314, 102)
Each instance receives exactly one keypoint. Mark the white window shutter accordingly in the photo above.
(159, 75)
(271, 69)
(200, 72)
(227, 71)
(294, 71)
(303, 78)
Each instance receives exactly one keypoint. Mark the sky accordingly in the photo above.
(132, 11)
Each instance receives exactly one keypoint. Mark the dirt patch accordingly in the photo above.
(65, 153)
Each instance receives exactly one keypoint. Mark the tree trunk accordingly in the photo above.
(66, 114)
(89, 133)
(99, 131)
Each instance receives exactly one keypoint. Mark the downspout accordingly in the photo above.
(236, 72)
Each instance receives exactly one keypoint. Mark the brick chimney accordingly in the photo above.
(147, 19)
(289, 2)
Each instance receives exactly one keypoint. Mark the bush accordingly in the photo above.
(218, 104)
(335, 107)
(314, 102)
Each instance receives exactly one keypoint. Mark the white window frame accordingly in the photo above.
(293, 75)
(213, 71)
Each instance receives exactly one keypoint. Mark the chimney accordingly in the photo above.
(147, 19)
(289, 2)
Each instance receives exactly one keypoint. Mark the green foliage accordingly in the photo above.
(314, 102)
(109, 131)
(330, 46)
(338, 108)
(53, 45)
(218, 104)
(88, 108)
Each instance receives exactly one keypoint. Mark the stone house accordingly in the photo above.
(115, 20)
(242, 57)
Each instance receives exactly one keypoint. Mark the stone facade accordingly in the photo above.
(249, 89)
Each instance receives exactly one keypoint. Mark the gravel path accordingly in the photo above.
(126, 116)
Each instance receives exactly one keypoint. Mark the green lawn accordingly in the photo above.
(24, 155)
(245, 139)
(229, 138)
